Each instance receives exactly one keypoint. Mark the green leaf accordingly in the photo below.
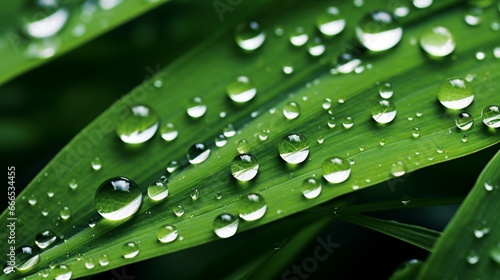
(475, 228)
(205, 72)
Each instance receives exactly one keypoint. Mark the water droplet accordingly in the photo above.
(173, 166)
(241, 90)
(320, 139)
(179, 210)
(168, 132)
(480, 55)
(198, 153)
(242, 146)
(109, 4)
(252, 207)
(47, 22)
(229, 131)
(138, 124)
(348, 122)
(158, 83)
(422, 4)
(45, 239)
(218, 195)
(195, 194)
(287, 69)
(220, 140)
(32, 200)
(158, 190)
(496, 52)
(244, 167)
(62, 272)
(437, 42)
(96, 164)
(495, 254)
(118, 198)
(130, 250)
(196, 108)
(249, 36)
(346, 63)
(398, 169)
(315, 47)
(264, 134)
(439, 149)
(405, 199)
(103, 260)
(311, 188)
(472, 257)
(65, 213)
(379, 31)
(473, 16)
(73, 184)
(330, 22)
(464, 121)
(291, 110)
(488, 186)
(43, 48)
(26, 257)
(167, 234)
(384, 111)
(400, 9)
(480, 232)
(294, 148)
(327, 103)
(336, 170)
(385, 90)
(299, 37)
(89, 263)
(92, 223)
(225, 225)
(491, 116)
(415, 132)
(465, 138)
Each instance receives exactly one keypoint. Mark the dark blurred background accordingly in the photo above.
(36, 122)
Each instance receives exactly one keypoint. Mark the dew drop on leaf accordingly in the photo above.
(158, 190)
(220, 140)
(195, 194)
(103, 260)
(73, 184)
(379, 31)
(96, 164)
(464, 121)
(346, 63)
(398, 169)
(348, 122)
(437, 42)
(45, 238)
(198, 153)
(472, 258)
(415, 132)
(336, 170)
(315, 47)
(118, 198)
(89, 263)
(249, 35)
(383, 111)
(49, 20)
(26, 257)
(196, 108)
(62, 272)
(491, 116)
(137, 124)
(242, 146)
(311, 188)
(179, 210)
(330, 22)
(252, 207)
(422, 4)
(291, 110)
(244, 167)
(130, 250)
(294, 148)
(299, 37)
(167, 233)
(225, 225)
(241, 90)
(385, 90)
(168, 132)
(65, 213)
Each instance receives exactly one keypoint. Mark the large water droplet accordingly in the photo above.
(225, 225)
(294, 148)
(47, 23)
(167, 234)
(103, 260)
(89, 263)
(249, 36)
(291, 110)
(336, 170)
(464, 121)
(473, 16)
(311, 188)
(437, 42)
(45, 239)
(138, 124)
(330, 22)
(196, 108)
(198, 153)
(491, 116)
(455, 93)
(241, 90)
(158, 190)
(379, 31)
(130, 250)
(179, 210)
(398, 169)
(26, 257)
(118, 198)
(62, 272)
(299, 37)
(384, 111)
(252, 207)
(244, 167)
(168, 132)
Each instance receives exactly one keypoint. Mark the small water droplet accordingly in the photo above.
(179, 210)
(168, 132)
(96, 164)
(415, 132)
(291, 110)
(422, 4)
(405, 199)
(198, 153)
(488, 186)
(472, 257)
(400, 9)
(327, 103)
(242, 146)
(229, 131)
(381, 142)
(311, 188)
(385, 90)
(244, 167)
(398, 169)
(241, 90)
(252, 207)
(173, 166)
(167, 234)
(220, 140)
(73, 184)
(480, 55)
(32, 200)
(130, 250)
(473, 16)
(92, 223)
(464, 121)
(336, 170)
(62, 272)
(348, 122)
(491, 116)
(218, 195)
(347, 62)
(118, 198)
(287, 69)
(264, 134)
(384, 111)
(225, 225)
(65, 213)
(103, 260)
(320, 139)
(158, 190)
(89, 263)
(158, 83)
(480, 232)
(26, 258)
(331, 122)
(249, 36)
(437, 42)
(439, 149)
(299, 37)
(294, 148)
(315, 47)
(379, 31)
(138, 124)
(330, 22)
(195, 194)
(465, 138)
(196, 108)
